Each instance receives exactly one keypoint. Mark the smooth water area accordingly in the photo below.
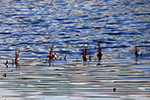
(31, 26)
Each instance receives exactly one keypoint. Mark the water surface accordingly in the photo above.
(32, 26)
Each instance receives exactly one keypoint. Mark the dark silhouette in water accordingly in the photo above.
(99, 52)
(51, 52)
(50, 56)
(90, 57)
(4, 75)
(114, 89)
(6, 63)
(65, 57)
(136, 51)
(84, 51)
(16, 58)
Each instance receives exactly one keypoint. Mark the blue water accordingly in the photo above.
(31, 26)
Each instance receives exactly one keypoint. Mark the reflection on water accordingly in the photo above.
(32, 26)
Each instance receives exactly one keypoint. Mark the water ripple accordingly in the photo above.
(32, 26)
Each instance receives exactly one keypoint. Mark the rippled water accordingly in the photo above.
(32, 26)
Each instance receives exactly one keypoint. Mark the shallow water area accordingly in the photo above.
(31, 27)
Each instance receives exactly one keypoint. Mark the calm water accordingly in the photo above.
(32, 26)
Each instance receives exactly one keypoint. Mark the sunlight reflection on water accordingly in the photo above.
(32, 26)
